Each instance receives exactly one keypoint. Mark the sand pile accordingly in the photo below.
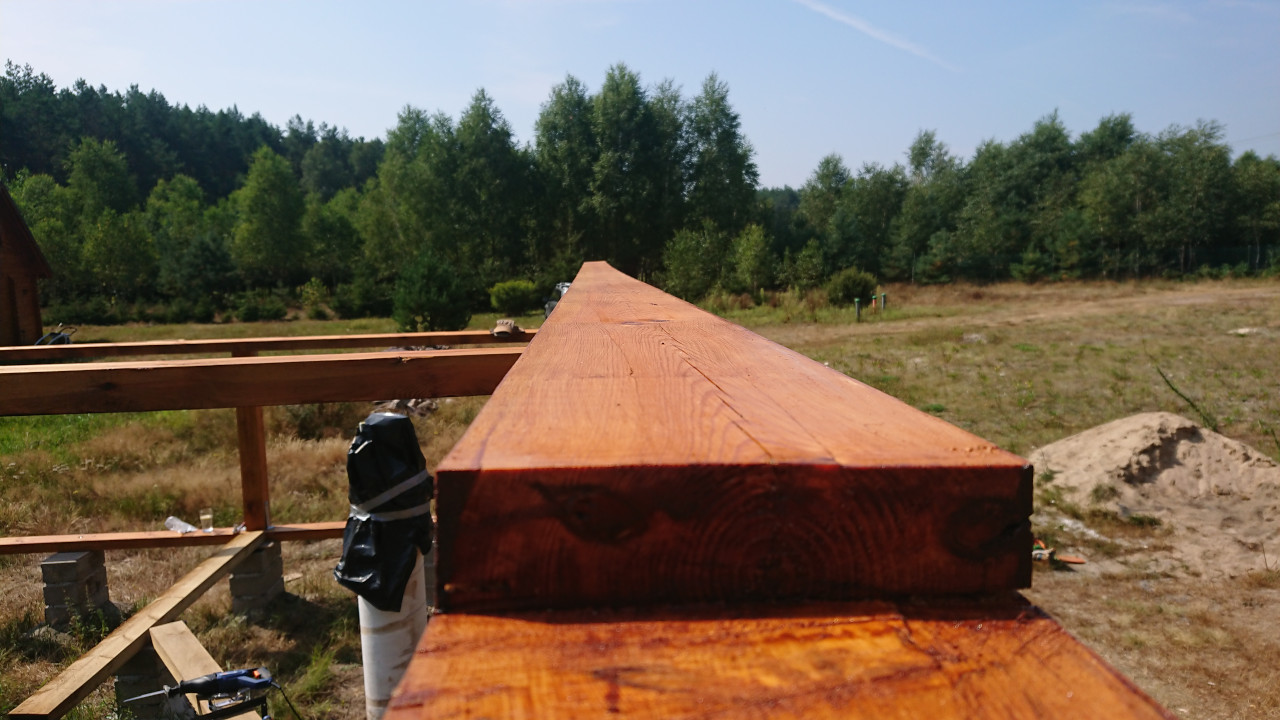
(1217, 500)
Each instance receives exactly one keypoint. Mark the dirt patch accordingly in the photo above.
(1165, 494)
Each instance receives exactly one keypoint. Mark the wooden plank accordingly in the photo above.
(255, 491)
(250, 381)
(254, 345)
(308, 531)
(19, 545)
(186, 659)
(643, 451)
(875, 660)
(80, 678)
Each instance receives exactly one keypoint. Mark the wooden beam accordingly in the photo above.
(31, 544)
(944, 661)
(250, 381)
(80, 678)
(251, 346)
(186, 659)
(643, 451)
(255, 491)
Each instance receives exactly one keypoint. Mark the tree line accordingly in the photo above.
(148, 209)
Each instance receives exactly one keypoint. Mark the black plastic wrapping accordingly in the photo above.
(378, 554)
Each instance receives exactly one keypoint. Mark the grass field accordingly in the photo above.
(1019, 365)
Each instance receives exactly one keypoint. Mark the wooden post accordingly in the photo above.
(251, 434)
(251, 437)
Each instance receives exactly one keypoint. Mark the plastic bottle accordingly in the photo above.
(177, 525)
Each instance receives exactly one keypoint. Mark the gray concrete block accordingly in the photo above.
(80, 593)
(255, 584)
(244, 604)
(65, 567)
(57, 615)
(265, 559)
(143, 673)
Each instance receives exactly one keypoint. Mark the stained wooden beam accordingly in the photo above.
(37, 353)
(250, 381)
(30, 544)
(945, 660)
(186, 659)
(255, 491)
(644, 451)
(80, 678)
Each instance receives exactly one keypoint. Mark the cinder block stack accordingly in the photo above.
(75, 585)
(258, 580)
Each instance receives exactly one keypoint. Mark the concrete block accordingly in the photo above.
(141, 674)
(258, 580)
(66, 567)
(263, 560)
(255, 584)
(81, 592)
(245, 604)
(75, 585)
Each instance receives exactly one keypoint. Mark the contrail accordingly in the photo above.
(876, 33)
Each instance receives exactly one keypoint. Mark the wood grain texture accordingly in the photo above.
(643, 451)
(17, 545)
(874, 660)
(254, 345)
(250, 381)
(186, 659)
(80, 678)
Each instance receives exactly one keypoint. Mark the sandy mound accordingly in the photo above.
(1217, 500)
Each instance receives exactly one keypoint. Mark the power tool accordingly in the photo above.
(235, 688)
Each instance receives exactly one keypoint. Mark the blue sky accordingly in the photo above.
(808, 77)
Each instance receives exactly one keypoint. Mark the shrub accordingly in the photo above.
(365, 297)
(721, 301)
(180, 310)
(94, 311)
(203, 311)
(850, 284)
(314, 421)
(260, 306)
(514, 297)
(431, 294)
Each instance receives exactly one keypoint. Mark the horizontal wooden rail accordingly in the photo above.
(250, 381)
(251, 346)
(18, 545)
(80, 678)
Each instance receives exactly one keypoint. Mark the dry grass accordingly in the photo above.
(1020, 365)
(1204, 650)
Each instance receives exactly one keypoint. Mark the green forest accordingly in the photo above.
(155, 212)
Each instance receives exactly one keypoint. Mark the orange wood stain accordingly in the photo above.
(1001, 659)
(643, 451)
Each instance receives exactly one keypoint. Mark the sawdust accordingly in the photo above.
(1210, 504)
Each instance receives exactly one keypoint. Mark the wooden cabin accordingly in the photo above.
(21, 265)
